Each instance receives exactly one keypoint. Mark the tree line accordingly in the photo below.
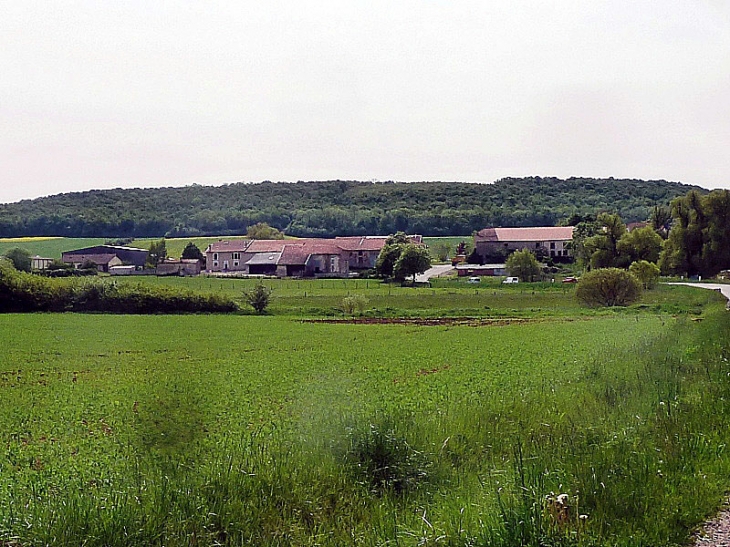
(332, 208)
(690, 237)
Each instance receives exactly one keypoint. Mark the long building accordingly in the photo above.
(296, 257)
(106, 256)
(549, 241)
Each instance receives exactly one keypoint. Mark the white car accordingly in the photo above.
(475, 279)
(511, 280)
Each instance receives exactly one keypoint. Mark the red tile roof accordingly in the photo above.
(233, 245)
(267, 245)
(361, 243)
(350, 243)
(542, 233)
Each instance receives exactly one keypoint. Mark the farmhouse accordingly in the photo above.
(296, 257)
(99, 255)
(549, 241)
(182, 267)
(102, 261)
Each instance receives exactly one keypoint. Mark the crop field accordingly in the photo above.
(289, 430)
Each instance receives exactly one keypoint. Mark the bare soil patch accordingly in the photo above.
(427, 322)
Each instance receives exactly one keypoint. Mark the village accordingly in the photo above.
(341, 257)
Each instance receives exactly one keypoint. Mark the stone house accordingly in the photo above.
(305, 257)
(547, 241)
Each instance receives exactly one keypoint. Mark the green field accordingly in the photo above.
(280, 430)
(48, 247)
(453, 297)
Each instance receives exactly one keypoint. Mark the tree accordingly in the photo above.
(608, 287)
(602, 248)
(158, 253)
(646, 272)
(192, 252)
(385, 264)
(523, 264)
(20, 259)
(716, 251)
(698, 242)
(661, 220)
(258, 297)
(261, 230)
(640, 244)
(413, 259)
(585, 228)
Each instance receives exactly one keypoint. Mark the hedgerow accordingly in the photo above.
(23, 292)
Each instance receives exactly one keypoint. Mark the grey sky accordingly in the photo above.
(126, 94)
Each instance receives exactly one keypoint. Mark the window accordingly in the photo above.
(236, 256)
(215, 256)
(215, 264)
(552, 245)
(235, 262)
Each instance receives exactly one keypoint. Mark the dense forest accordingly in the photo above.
(332, 207)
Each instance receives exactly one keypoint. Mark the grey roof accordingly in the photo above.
(264, 258)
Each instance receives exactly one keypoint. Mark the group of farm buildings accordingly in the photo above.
(311, 257)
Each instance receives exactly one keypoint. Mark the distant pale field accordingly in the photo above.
(25, 239)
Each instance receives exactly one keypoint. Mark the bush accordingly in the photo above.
(608, 287)
(355, 303)
(20, 258)
(646, 272)
(258, 297)
(524, 265)
(23, 292)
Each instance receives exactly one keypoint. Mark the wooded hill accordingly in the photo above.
(333, 207)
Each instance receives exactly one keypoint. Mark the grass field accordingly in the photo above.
(246, 430)
(51, 247)
(446, 297)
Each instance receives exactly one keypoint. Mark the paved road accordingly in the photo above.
(724, 289)
(433, 272)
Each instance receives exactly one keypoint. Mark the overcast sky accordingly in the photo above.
(97, 94)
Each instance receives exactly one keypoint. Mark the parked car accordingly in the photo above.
(570, 280)
(475, 279)
(511, 280)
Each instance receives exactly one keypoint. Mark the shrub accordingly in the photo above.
(355, 303)
(20, 258)
(258, 297)
(608, 287)
(646, 272)
(523, 264)
(23, 292)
